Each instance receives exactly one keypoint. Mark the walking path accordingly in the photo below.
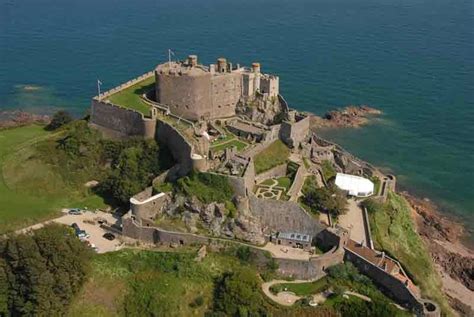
(289, 298)
(353, 221)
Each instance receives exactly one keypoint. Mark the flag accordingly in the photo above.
(99, 82)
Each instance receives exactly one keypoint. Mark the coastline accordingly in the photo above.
(453, 259)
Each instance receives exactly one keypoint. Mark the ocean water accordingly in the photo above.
(413, 59)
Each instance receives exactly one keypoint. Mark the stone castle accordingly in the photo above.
(203, 114)
(197, 92)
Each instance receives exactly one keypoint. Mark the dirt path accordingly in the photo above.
(282, 298)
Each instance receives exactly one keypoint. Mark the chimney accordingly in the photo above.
(192, 60)
(221, 65)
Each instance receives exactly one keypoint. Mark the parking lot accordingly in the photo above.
(88, 221)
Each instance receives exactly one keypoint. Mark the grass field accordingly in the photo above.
(150, 283)
(393, 231)
(302, 289)
(30, 191)
(131, 96)
(275, 154)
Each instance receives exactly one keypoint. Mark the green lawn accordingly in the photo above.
(302, 289)
(284, 182)
(30, 191)
(131, 96)
(275, 154)
(234, 142)
(393, 231)
(328, 170)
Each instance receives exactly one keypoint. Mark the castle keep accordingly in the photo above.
(198, 92)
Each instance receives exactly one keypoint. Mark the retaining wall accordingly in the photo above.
(300, 269)
(312, 269)
(177, 144)
(298, 182)
(287, 216)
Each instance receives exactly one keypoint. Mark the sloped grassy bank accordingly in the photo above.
(394, 232)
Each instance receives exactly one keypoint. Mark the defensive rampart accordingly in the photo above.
(119, 121)
(392, 286)
(177, 144)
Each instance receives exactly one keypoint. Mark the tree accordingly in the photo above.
(60, 118)
(40, 272)
(330, 199)
(238, 294)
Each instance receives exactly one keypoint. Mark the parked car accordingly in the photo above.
(109, 236)
(75, 211)
(81, 234)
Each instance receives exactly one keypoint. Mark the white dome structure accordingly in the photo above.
(355, 185)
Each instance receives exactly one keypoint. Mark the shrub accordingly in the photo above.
(206, 187)
(331, 200)
(244, 253)
(59, 119)
(238, 294)
(328, 170)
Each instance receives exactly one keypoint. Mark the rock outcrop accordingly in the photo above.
(349, 117)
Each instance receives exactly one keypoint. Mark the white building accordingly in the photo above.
(355, 185)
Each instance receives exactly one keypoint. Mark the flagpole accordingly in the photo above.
(98, 88)
(169, 58)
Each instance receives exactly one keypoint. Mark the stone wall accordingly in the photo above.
(288, 216)
(145, 205)
(300, 269)
(312, 269)
(125, 85)
(249, 176)
(298, 182)
(390, 284)
(151, 234)
(125, 122)
(177, 144)
(199, 94)
(187, 96)
(277, 171)
(293, 133)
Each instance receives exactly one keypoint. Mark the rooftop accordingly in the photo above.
(294, 236)
(355, 185)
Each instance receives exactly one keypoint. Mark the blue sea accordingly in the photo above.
(413, 59)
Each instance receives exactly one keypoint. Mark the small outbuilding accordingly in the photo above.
(355, 185)
(292, 239)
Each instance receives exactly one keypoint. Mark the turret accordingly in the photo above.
(192, 60)
(221, 65)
